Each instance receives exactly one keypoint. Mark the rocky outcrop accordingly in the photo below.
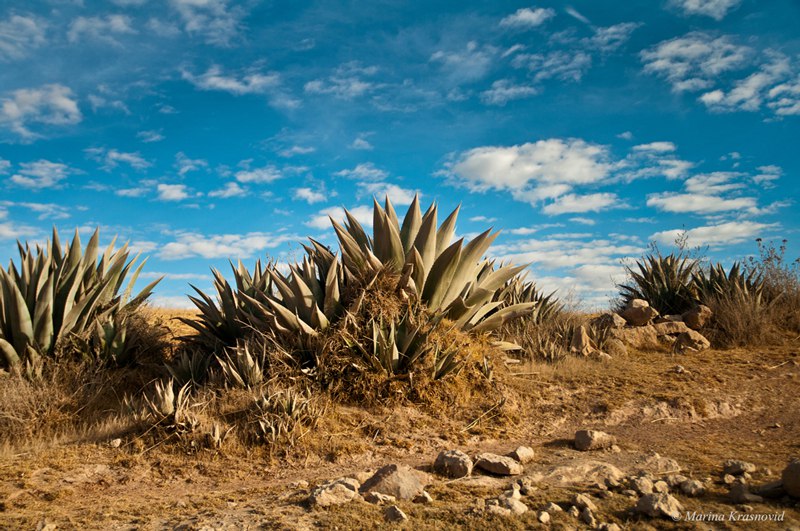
(638, 312)
(400, 481)
(586, 440)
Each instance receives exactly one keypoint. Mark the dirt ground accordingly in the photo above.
(742, 404)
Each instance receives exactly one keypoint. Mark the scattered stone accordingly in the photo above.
(299, 485)
(740, 493)
(586, 440)
(630, 493)
(578, 471)
(526, 486)
(515, 506)
(115, 443)
(608, 320)
(587, 517)
(639, 337)
(608, 527)
(691, 341)
(335, 492)
(553, 508)
(523, 454)
(638, 312)
(602, 356)
(642, 485)
(424, 498)
(659, 505)
(729, 479)
(661, 465)
(453, 464)
(773, 489)
(661, 486)
(363, 475)
(737, 467)
(498, 464)
(582, 501)
(400, 481)
(670, 328)
(674, 480)
(543, 517)
(379, 499)
(745, 508)
(496, 509)
(581, 342)
(513, 492)
(696, 318)
(46, 525)
(693, 488)
(791, 478)
(612, 483)
(393, 513)
(574, 512)
(605, 494)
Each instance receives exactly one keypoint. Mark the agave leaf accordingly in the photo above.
(503, 316)
(445, 233)
(411, 224)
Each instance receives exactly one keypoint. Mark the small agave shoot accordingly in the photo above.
(61, 292)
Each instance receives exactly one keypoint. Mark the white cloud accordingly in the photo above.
(625, 135)
(583, 221)
(264, 175)
(363, 172)
(5, 166)
(49, 104)
(504, 90)
(716, 9)
(379, 190)
(41, 174)
(44, 210)
(229, 190)
(177, 302)
(576, 15)
(528, 18)
(173, 192)
(232, 246)
(713, 183)
(524, 167)
(786, 98)
(716, 236)
(100, 102)
(697, 203)
(693, 62)
(748, 94)
(310, 195)
(296, 150)
(361, 143)
(574, 203)
(611, 38)
(559, 64)
(213, 20)
(214, 79)
(138, 191)
(658, 147)
(347, 82)
(321, 221)
(12, 231)
(767, 174)
(186, 165)
(100, 28)
(150, 136)
(111, 158)
(19, 35)
(469, 64)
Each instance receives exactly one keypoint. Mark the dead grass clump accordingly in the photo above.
(548, 340)
(738, 321)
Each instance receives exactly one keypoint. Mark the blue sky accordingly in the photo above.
(202, 130)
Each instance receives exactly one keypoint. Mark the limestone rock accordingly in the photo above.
(453, 464)
(523, 454)
(608, 320)
(661, 486)
(615, 347)
(636, 336)
(670, 328)
(581, 342)
(543, 517)
(642, 485)
(691, 341)
(393, 513)
(335, 492)
(423, 498)
(659, 506)
(740, 493)
(498, 464)
(696, 318)
(553, 508)
(400, 481)
(586, 440)
(693, 488)
(515, 506)
(587, 517)
(379, 499)
(737, 467)
(582, 501)
(791, 478)
(638, 312)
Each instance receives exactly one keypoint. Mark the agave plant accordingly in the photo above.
(517, 290)
(241, 369)
(716, 282)
(452, 279)
(663, 281)
(60, 291)
(280, 416)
